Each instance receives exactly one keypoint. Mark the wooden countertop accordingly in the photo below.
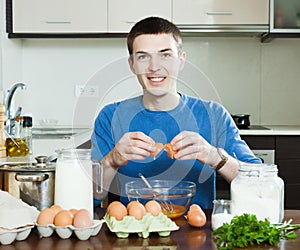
(185, 238)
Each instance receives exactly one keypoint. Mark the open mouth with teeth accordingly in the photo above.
(157, 79)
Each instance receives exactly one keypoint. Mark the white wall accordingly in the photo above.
(249, 77)
(10, 58)
(252, 77)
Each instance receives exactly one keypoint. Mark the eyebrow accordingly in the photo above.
(164, 50)
(160, 51)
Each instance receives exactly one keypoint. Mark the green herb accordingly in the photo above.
(245, 230)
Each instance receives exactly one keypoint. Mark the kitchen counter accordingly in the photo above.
(186, 237)
(272, 130)
(45, 141)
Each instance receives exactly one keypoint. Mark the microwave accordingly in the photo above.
(284, 16)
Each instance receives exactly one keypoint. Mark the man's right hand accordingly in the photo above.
(131, 146)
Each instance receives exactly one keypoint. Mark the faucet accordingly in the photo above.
(11, 120)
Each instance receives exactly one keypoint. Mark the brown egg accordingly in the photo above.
(194, 207)
(46, 217)
(170, 151)
(159, 147)
(117, 210)
(73, 211)
(136, 209)
(63, 218)
(56, 208)
(153, 207)
(83, 219)
(195, 216)
(131, 203)
(112, 204)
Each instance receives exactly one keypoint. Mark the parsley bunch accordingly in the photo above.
(245, 230)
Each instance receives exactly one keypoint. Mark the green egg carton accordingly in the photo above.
(160, 224)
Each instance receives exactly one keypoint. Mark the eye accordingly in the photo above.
(142, 57)
(166, 55)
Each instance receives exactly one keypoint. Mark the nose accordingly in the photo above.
(154, 63)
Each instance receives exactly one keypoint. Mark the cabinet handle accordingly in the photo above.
(58, 22)
(228, 13)
(130, 22)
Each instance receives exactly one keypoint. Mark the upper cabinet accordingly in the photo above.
(96, 18)
(285, 16)
(57, 16)
(193, 13)
(122, 15)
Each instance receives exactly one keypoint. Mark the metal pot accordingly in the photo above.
(241, 120)
(34, 184)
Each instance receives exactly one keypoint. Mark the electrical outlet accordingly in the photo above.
(86, 91)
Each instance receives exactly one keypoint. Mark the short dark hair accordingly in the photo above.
(154, 25)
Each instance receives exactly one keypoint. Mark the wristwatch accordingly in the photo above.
(223, 161)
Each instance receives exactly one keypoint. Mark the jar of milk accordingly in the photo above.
(258, 190)
(221, 213)
(74, 179)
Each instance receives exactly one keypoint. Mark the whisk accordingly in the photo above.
(166, 205)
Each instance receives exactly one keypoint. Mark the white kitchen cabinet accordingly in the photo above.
(220, 12)
(59, 16)
(122, 15)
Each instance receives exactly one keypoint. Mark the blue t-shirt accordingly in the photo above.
(211, 120)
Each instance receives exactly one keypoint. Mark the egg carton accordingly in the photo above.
(7, 236)
(14, 213)
(65, 232)
(148, 224)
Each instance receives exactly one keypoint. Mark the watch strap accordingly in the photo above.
(223, 161)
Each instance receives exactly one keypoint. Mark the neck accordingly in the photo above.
(161, 103)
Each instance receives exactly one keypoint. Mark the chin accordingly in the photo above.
(157, 91)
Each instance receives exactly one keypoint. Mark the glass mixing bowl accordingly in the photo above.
(174, 197)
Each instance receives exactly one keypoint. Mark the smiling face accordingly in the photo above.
(156, 62)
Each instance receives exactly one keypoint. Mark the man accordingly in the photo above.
(202, 133)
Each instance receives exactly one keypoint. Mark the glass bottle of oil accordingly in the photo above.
(15, 146)
(26, 133)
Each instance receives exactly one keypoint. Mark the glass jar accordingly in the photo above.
(26, 134)
(221, 213)
(15, 145)
(74, 180)
(258, 190)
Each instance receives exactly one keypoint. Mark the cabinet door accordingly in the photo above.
(220, 12)
(59, 16)
(288, 161)
(256, 142)
(122, 15)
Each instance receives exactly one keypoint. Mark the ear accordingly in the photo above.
(130, 62)
(182, 60)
